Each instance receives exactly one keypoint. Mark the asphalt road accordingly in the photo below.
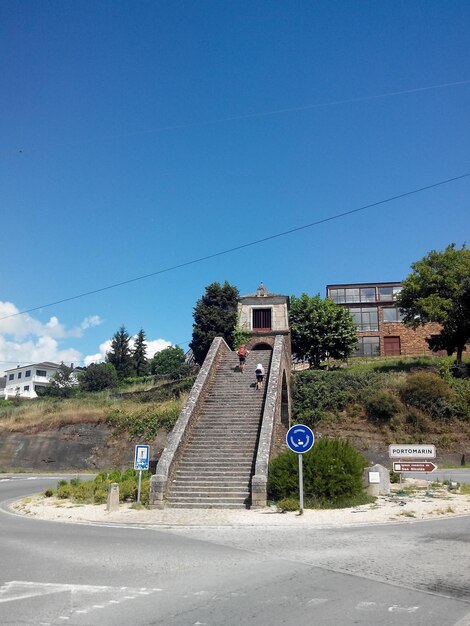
(456, 475)
(100, 575)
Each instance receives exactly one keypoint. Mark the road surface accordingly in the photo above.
(85, 575)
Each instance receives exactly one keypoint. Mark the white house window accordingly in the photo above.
(26, 388)
(19, 374)
(11, 377)
(27, 374)
(41, 373)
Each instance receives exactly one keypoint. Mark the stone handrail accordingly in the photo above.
(271, 410)
(185, 422)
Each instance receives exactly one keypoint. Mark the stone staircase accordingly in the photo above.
(217, 462)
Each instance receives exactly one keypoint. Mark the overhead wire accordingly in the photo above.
(241, 246)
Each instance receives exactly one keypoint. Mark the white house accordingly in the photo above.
(23, 381)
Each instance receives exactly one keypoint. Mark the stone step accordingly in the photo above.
(209, 500)
(181, 491)
(212, 505)
(213, 474)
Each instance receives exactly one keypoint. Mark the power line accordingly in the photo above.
(242, 246)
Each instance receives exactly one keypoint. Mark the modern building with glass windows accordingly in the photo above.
(380, 329)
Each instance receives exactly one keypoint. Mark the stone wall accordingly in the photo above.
(279, 374)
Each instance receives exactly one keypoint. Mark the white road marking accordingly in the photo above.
(365, 606)
(402, 609)
(18, 590)
(315, 601)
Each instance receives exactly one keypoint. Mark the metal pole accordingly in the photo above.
(301, 486)
(138, 488)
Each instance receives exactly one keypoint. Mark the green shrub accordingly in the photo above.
(381, 405)
(318, 393)
(419, 420)
(332, 470)
(62, 483)
(49, 493)
(428, 392)
(64, 491)
(461, 388)
(83, 492)
(288, 504)
(101, 495)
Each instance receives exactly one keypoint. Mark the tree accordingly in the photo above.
(215, 315)
(120, 354)
(63, 384)
(139, 355)
(319, 329)
(98, 376)
(169, 362)
(438, 290)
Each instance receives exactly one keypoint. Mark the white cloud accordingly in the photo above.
(100, 356)
(153, 346)
(21, 326)
(156, 345)
(24, 339)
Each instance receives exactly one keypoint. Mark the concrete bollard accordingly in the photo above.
(112, 503)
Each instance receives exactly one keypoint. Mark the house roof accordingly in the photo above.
(262, 292)
(43, 364)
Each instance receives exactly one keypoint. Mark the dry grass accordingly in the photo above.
(35, 416)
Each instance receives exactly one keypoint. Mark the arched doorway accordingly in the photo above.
(262, 346)
(284, 401)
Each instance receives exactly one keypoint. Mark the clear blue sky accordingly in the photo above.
(136, 136)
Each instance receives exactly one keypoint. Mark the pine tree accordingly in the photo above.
(139, 355)
(215, 315)
(120, 354)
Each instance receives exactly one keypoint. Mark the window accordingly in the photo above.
(19, 374)
(352, 294)
(392, 314)
(367, 346)
(365, 318)
(261, 319)
(41, 373)
(27, 374)
(368, 294)
(388, 293)
(11, 377)
(26, 388)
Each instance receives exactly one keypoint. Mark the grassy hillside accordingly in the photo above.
(135, 409)
(388, 401)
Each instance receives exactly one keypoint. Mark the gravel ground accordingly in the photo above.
(395, 507)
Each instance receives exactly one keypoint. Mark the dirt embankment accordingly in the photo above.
(91, 447)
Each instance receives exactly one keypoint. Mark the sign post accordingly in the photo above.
(141, 462)
(300, 439)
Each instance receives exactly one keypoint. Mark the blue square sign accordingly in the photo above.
(142, 457)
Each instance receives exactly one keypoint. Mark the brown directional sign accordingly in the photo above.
(417, 466)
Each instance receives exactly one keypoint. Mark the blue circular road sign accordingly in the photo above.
(300, 438)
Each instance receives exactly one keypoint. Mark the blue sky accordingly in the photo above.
(138, 136)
